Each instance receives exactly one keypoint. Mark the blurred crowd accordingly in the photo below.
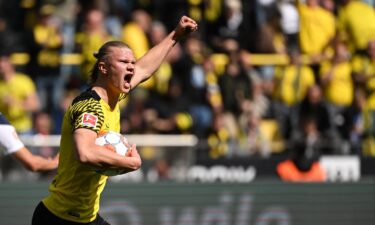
(317, 97)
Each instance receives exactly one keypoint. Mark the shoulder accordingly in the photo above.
(86, 110)
(22, 76)
(88, 101)
(24, 80)
(88, 95)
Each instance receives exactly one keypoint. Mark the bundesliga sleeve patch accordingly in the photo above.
(89, 120)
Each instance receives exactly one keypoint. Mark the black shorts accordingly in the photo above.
(42, 216)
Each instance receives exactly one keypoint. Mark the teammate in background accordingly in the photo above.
(10, 142)
(75, 192)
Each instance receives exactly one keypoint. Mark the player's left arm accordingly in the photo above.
(150, 62)
(88, 152)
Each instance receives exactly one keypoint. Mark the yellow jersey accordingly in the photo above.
(317, 28)
(340, 90)
(292, 83)
(76, 188)
(365, 66)
(356, 23)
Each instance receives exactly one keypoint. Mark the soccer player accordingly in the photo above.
(75, 191)
(12, 145)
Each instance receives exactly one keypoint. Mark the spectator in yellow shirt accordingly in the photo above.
(317, 29)
(336, 78)
(18, 97)
(92, 35)
(293, 80)
(338, 85)
(356, 24)
(45, 60)
(135, 32)
(291, 84)
(364, 68)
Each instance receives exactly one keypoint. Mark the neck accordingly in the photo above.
(110, 97)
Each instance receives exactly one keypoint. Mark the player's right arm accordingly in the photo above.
(150, 62)
(88, 152)
(34, 162)
(13, 146)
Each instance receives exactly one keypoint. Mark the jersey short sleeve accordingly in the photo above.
(87, 113)
(9, 140)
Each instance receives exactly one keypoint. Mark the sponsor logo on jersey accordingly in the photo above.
(89, 120)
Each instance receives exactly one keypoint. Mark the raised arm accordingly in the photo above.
(151, 61)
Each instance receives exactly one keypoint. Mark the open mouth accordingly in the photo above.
(128, 77)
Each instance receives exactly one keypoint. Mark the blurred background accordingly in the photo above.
(266, 115)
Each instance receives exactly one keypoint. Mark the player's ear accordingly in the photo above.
(102, 67)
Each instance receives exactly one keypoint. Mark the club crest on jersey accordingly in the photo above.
(89, 120)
